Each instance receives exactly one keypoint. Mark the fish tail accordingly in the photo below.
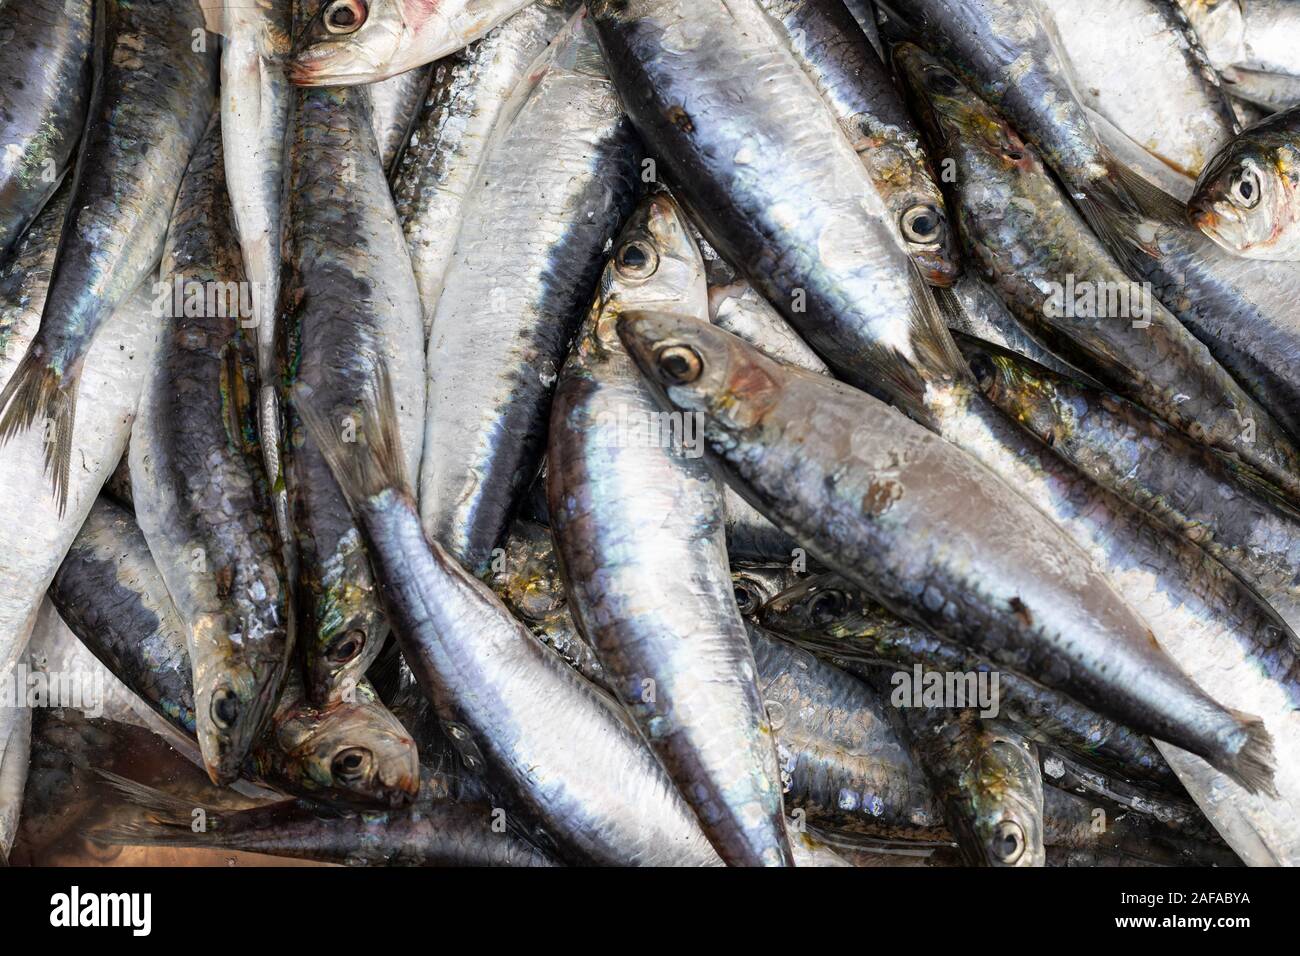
(38, 390)
(1251, 765)
(1113, 205)
(163, 808)
(153, 833)
(370, 460)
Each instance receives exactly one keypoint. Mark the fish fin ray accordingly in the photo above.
(366, 467)
(1252, 765)
(36, 389)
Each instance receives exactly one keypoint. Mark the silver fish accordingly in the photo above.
(1139, 64)
(363, 41)
(44, 95)
(778, 433)
(199, 483)
(558, 182)
(549, 739)
(394, 105)
(467, 97)
(348, 299)
(152, 87)
(1255, 34)
(638, 521)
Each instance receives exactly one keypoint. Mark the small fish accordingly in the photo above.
(151, 87)
(46, 78)
(394, 106)
(1164, 473)
(434, 833)
(1140, 64)
(347, 299)
(548, 739)
(1248, 198)
(1064, 284)
(858, 88)
(778, 434)
(467, 99)
(363, 41)
(639, 529)
(1255, 34)
(199, 484)
(560, 178)
(833, 619)
(764, 170)
(254, 119)
(1265, 93)
(112, 596)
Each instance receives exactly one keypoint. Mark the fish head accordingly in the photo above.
(823, 605)
(756, 584)
(959, 123)
(701, 369)
(931, 241)
(656, 265)
(233, 698)
(351, 41)
(1006, 801)
(346, 639)
(1013, 384)
(1245, 196)
(352, 750)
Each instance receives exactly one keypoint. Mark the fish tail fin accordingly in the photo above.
(163, 808)
(38, 390)
(149, 833)
(1149, 198)
(1252, 764)
(368, 459)
(1115, 205)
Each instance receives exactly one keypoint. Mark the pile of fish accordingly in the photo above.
(654, 432)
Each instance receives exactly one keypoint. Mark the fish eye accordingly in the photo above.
(225, 708)
(347, 647)
(747, 600)
(923, 223)
(981, 367)
(825, 606)
(636, 259)
(1245, 189)
(679, 364)
(940, 81)
(1008, 843)
(351, 764)
(345, 16)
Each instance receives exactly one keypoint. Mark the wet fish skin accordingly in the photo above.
(639, 530)
(347, 42)
(1161, 471)
(1266, 93)
(1248, 197)
(778, 432)
(350, 750)
(546, 736)
(1178, 111)
(468, 94)
(439, 833)
(348, 299)
(559, 181)
(394, 104)
(765, 179)
(46, 80)
(977, 311)
(1006, 50)
(1255, 34)
(254, 97)
(1028, 242)
(859, 90)
(111, 594)
(988, 780)
(843, 765)
(830, 617)
(155, 89)
(199, 482)
(526, 577)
